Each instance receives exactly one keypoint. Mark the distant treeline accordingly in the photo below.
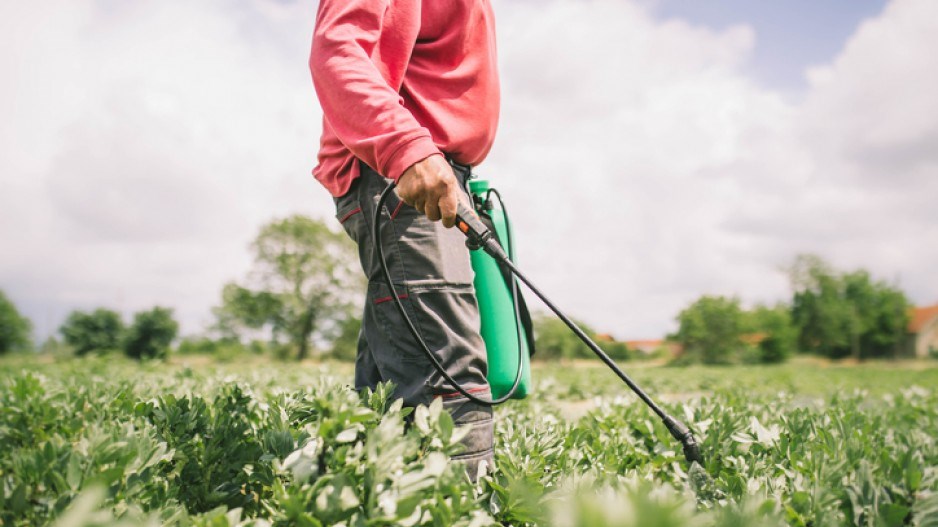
(303, 298)
(831, 313)
(101, 331)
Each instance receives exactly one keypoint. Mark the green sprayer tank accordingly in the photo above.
(500, 325)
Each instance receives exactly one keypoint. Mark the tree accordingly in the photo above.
(845, 314)
(99, 330)
(710, 330)
(14, 328)
(554, 340)
(778, 337)
(303, 287)
(880, 315)
(819, 312)
(151, 334)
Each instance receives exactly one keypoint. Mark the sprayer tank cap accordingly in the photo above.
(478, 186)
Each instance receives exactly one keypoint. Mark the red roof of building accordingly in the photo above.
(920, 316)
(754, 338)
(644, 343)
(604, 337)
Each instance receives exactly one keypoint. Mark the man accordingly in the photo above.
(409, 91)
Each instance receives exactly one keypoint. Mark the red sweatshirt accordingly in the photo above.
(400, 80)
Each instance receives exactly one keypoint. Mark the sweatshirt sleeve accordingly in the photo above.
(359, 98)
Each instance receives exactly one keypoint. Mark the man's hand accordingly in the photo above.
(430, 186)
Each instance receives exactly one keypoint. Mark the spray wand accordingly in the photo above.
(478, 236)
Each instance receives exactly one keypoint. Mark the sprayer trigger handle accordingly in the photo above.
(478, 236)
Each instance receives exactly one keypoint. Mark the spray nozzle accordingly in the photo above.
(682, 433)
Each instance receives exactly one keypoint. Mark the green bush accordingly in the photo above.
(554, 340)
(846, 314)
(151, 334)
(259, 347)
(95, 332)
(55, 348)
(221, 350)
(281, 351)
(14, 328)
(779, 335)
(710, 330)
(196, 346)
(617, 351)
(716, 330)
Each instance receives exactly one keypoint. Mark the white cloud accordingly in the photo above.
(869, 131)
(143, 144)
(673, 175)
(635, 142)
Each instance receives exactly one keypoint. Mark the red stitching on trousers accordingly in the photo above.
(350, 214)
(396, 210)
(451, 395)
(389, 298)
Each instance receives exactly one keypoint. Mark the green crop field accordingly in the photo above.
(110, 442)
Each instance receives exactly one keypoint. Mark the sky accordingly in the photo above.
(791, 34)
(650, 151)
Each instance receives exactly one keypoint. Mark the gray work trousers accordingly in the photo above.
(430, 268)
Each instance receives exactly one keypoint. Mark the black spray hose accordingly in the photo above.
(479, 236)
(376, 233)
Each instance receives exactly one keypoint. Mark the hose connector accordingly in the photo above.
(478, 236)
(682, 433)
